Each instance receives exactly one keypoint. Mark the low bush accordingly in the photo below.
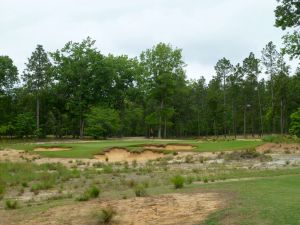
(178, 181)
(92, 192)
(105, 216)
(11, 204)
(140, 190)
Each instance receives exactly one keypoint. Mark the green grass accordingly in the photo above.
(88, 149)
(265, 201)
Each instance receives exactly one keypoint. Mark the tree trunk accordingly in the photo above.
(81, 133)
(272, 103)
(281, 116)
(160, 118)
(224, 119)
(165, 128)
(233, 120)
(245, 121)
(38, 115)
(260, 113)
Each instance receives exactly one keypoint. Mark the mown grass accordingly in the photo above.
(88, 149)
(260, 202)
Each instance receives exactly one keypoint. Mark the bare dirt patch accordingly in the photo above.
(122, 154)
(51, 149)
(279, 148)
(168, 209)
(13, 155)
(170, 147)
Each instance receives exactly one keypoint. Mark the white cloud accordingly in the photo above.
(205, 30)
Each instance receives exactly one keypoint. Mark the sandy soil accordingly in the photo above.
(120, 155)
(51, 149)
(16, 155)
(167, 209)
(279, 148)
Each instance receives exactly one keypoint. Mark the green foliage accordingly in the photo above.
(105, 216)
(24, 124)
(140, 190)
(11, 204)
(102, 121)
(295, 123)
(287, 15)
(91, 192)
(8, 73)
(178, 181)
(38, 177)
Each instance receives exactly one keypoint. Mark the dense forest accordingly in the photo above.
(77, 91)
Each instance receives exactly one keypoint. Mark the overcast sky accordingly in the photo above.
(206, 30)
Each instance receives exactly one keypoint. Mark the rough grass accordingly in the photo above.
(40, 177)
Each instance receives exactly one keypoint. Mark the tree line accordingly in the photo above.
(78, 91)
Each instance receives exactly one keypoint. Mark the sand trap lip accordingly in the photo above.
(122, 155)
(282, 148)
(170, 147)
(51, 149)
(163, 209)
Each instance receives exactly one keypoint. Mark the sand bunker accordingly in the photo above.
(122, 155)
(279, 148)
(168, 209)
(170, 147)
(51, 149)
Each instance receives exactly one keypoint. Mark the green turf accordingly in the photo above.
(268, 201)
(88, 149)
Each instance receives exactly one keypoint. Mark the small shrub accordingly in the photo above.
(134, 163)
(107, 169)
(83, 197)
(205, 180)
(189, 180)
(10, 204)
(140, 190)
(189, 159)
(178, 181)
(2, 190)
(93, 192)
(105, 216)
(287, 151)
(24, 184)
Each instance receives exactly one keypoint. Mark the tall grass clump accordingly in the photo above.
(105, 216)
(92, 192)
(11, 204)
(178, 181)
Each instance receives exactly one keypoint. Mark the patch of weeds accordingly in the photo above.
(188, 159)
(92, 192)
(140, 190)
(2, 189)
(189, 180)
(131, 183)
(105, 216)
(246, 154)
(11, 204)
(108, 169)
(178, 181)
(287, 151)
(134, 163)
(24, 184)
